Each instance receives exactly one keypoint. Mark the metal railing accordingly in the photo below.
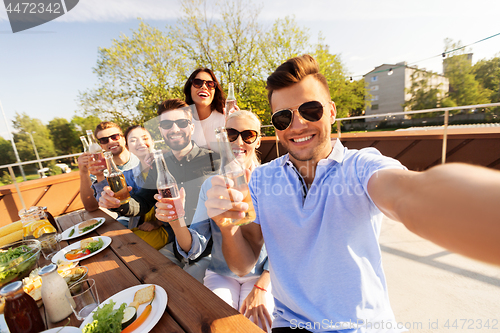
(13, 176)
(338, 120)
(393, 114)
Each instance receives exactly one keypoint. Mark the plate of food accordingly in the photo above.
(136, 309)
(83, 249)
(82, 228)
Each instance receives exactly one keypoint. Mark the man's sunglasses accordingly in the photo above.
(310, 111)
(198, 83)
(248, 136)
(181, 123)
(105, 140)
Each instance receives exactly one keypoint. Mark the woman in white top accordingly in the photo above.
(204, 92)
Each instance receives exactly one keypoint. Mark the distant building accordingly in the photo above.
(388, 88)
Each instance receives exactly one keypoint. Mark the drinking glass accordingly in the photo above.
(50, 245)
(85, 298)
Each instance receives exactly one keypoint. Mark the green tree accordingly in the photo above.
(6, 152)
(65, 136)
(82, 124)
(137, 72)
(24, 124)
(424, 95)
(134, 75)
(487, 73)
(464, 89)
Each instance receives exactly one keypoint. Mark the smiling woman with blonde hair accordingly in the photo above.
(250, 294)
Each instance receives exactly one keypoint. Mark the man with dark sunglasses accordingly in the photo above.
(319, 210)
(110, 137)
(189, 164)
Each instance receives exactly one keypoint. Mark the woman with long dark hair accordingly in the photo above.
(202, 89)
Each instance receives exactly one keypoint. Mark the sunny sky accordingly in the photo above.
(43, 69)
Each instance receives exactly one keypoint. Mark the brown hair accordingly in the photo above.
(219, 97)
(174, 104)
(105, 125)
(293, 71)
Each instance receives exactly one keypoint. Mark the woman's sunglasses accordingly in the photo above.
(248, 136)
(105, 140)
(198, 83)
(310, 111)
(181, 123)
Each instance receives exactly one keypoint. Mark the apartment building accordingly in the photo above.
(389, 86)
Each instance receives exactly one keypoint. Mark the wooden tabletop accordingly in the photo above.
(130, 261)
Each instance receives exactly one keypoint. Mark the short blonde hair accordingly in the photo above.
(252, 117)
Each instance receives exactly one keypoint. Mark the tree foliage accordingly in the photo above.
(138, 72)
(487, 73)
(464, 89)
(65, 136)
(134, 74)
(24, 124)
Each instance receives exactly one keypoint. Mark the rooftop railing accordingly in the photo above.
(338, 120)
(406, 113)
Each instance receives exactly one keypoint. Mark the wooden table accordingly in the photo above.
(130, 261)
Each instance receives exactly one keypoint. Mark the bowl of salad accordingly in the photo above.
(17, 260)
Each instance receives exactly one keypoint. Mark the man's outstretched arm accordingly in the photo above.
(456, 206)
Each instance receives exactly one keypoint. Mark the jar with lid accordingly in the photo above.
(55, 294)
(21, 312)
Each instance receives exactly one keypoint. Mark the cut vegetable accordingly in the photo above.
(129, 315)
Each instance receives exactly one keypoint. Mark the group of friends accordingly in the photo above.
(311, 260)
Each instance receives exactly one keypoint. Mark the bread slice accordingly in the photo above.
(144, 295)
(85, 242)
(87, 223)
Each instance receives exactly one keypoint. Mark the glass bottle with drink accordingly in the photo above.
(96, 150)
(55, 294)
(116, 180)
(230, 168)
(165, 182)
(230, 100)
(85, 144)
(21, 312)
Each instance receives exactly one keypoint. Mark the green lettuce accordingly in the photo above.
(106, 319)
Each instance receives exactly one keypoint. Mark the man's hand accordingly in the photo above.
(83, 162)
(219, 205)
(171, 210)
(96, 169)
(108, 199)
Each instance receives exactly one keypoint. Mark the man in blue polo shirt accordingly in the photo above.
(319, 210)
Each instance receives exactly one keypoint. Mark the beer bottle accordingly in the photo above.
(165, 182)
(230, 100)
(85, 144)
(96, 150)
(230, 168)
(116, 180)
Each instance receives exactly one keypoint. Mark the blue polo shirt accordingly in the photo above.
(322, 242)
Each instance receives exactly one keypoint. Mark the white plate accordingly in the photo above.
(60, 255)
(127, 296)
(65, 234)
(3, 325)
(67, 329)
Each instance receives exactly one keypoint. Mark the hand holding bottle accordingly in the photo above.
(225, 203)
(171, 209)
(108, 200)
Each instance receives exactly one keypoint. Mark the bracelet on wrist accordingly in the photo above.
(256, 286)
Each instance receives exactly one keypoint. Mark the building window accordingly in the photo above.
(375, 107)
(375, 98)
(375, 88)
(374, 78)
